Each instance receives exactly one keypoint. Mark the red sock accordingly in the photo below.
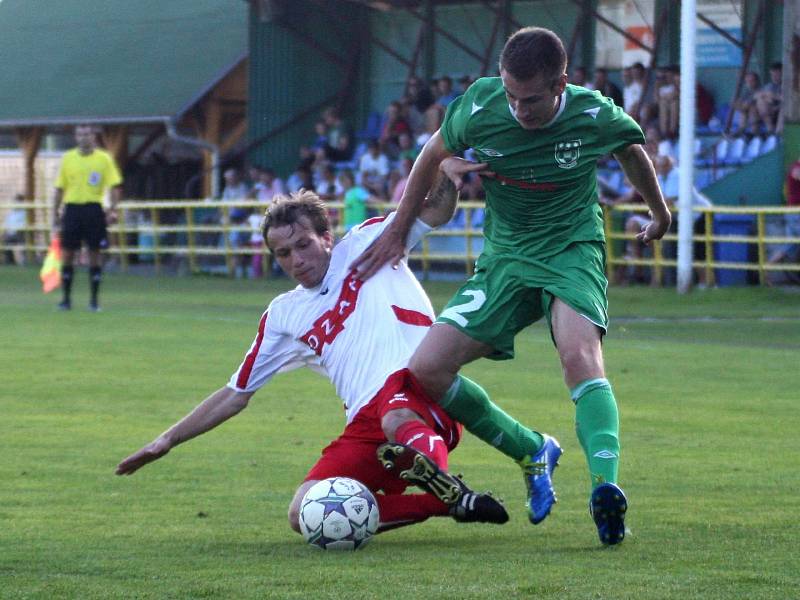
(397, 510)
(424, 439)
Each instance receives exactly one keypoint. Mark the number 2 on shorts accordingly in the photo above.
(454, 313)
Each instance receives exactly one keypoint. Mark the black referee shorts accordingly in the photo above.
(84, 222)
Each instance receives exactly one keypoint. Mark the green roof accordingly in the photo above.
(124, 61)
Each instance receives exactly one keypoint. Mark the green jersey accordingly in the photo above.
(544, 196)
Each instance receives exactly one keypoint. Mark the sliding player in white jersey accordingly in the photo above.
(361, 335)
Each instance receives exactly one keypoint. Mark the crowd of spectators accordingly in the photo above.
(363, 170)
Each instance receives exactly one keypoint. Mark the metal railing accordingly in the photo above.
(202, 234)
(747, 240)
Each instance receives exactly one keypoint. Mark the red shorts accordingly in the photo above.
(354, 453)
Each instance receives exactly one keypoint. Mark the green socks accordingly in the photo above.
(597, 427)
(469, 404)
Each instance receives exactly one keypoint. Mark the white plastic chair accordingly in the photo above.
(735, 152)
(753, 150)
(769, 144)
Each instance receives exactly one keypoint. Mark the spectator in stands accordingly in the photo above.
(373, 169)
(419, 99)
(234, 188)
(320, 135)
(302, 178)
(655, 145)
(404, 171)
(634, 78)
(356, 201)
(413, 117)
(446, 94)
(394, 124)
(340, 141)
(579, 78)
(307, 156)
(237, 190)
(606, 87)
(465, 82)
(791, 220)
(745, 112)
(634, 222)
(669, 182)
(668, 93)
(257, 244)
(407, 148)
(769, 100)
(329, 188)
(704, 103)
(433, 120)
(268, 186)
(13, 236)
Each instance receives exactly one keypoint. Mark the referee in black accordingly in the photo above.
(86, 173)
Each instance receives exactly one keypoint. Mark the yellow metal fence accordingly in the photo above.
(733, 240)
(203, 235)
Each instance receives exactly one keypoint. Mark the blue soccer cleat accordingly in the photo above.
(538, 471)
(607, 506)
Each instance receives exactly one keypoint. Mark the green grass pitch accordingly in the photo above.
(708, 394)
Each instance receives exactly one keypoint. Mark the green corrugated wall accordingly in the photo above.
(289, 75)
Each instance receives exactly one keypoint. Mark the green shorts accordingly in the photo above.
(509, 292)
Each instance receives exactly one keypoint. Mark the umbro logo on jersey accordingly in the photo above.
(567, 153)
(475, 108)
(604, 454)
(592, 112)
(489, 152)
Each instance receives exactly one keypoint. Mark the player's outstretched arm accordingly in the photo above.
(390, 246)
(217, 408)
(640, 172)
(440, 203)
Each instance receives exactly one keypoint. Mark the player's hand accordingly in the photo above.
(111, 216)
(456, 168)
(153, 451)
(389, 247)
(655, 229)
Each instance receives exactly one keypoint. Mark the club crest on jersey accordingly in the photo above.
(490, 152)
(567, 153)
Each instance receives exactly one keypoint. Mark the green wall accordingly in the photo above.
(288, 75)
(759, 183)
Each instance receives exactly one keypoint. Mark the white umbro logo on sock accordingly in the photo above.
(604, 454)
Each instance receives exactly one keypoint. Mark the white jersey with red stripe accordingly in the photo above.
(357, 333)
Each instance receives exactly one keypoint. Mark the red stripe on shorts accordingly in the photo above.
(247, 366)
(412, 317)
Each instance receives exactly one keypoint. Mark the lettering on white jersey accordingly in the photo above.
(327, 326)
(331, 323)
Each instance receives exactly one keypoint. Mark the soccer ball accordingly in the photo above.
(338, 513)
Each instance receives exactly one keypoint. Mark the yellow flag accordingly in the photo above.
(51, 268)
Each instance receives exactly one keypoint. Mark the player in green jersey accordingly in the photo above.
(539, 139)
